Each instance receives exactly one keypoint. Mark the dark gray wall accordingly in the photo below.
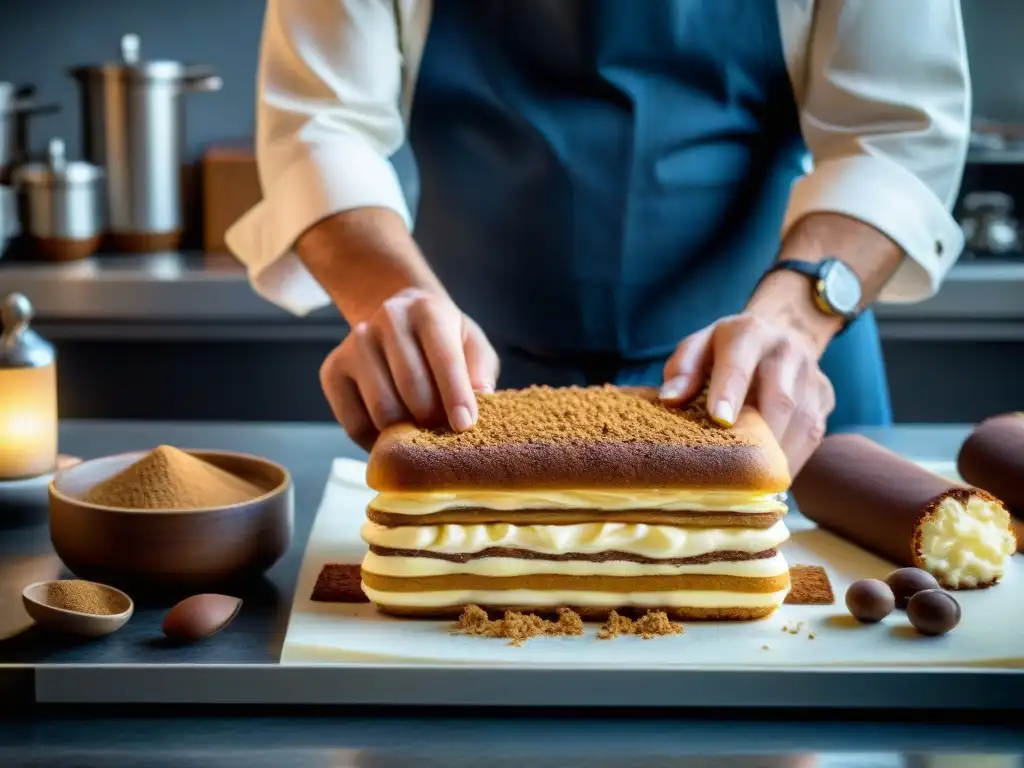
(40, 39)
(931, 381)
(994, 29)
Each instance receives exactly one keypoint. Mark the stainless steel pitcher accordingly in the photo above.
(133, 123)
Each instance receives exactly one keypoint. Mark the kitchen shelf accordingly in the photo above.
(995, 157)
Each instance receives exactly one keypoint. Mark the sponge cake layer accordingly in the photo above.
(579, 438)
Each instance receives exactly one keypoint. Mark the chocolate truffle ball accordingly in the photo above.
(933, 612)
(907, 582)
(870, 600)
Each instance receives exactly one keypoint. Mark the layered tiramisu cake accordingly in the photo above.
(596, 499)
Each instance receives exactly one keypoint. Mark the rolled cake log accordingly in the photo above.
(900, 511)
(992, 458)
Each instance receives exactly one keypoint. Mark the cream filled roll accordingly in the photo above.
(596, 499)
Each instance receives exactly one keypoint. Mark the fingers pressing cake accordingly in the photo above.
(597, 499)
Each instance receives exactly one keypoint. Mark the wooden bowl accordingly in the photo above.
(170, 549)
(33, 597)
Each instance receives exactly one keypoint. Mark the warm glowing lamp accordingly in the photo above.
(28, 396)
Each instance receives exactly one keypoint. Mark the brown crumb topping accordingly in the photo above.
(651, 624)
(603, 414)
(517, 627)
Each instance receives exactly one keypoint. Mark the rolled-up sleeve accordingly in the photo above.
(328, 120)
(885, 112)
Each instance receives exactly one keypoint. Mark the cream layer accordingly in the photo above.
(430, 502)
(655, 541)
(967, 545)
(412, 567)
(579, 598)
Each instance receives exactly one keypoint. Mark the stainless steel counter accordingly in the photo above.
(178, 295)
(223, 737)
(239, 665)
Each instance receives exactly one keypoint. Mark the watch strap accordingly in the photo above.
(792, 265)
(812, 270)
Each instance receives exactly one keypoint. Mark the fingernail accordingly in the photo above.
(461, 418)
(485, 389)
(673, 388)
(723, 413)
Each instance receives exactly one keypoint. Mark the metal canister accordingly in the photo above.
(62, 205)
(17, 105)
(133, 125)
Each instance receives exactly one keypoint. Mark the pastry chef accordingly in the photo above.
(609, 191)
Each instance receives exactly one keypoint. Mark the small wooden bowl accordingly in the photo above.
(171, 549)
(33, 597)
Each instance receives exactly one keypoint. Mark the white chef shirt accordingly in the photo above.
(882, 88)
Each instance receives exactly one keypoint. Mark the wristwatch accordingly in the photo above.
(835, 287)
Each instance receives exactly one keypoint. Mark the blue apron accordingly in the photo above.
(600, 178)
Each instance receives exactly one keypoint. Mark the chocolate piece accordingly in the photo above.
(900, 511)
(907, 582)
(594, 557)
(992, 458)
(870, 600)
(339, 583)
(933, 612)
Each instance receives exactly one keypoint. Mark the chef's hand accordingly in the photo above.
(417, 358)
(766, 358)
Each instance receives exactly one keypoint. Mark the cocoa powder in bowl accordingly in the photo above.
(169, 478)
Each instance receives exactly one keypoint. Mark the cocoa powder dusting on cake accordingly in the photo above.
(603, 414)
(517, 627)
(651, 624)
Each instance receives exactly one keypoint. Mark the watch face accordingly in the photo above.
(840, 288)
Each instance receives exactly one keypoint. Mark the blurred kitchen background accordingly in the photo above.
(178, 334)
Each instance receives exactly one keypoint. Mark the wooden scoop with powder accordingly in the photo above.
(169, 478)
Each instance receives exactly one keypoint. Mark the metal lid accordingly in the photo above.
(985, 200)
(57, 171)
(133, 67)
(20, 346)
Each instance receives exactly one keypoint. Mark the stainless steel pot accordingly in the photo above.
(133, 124)
(989, 224)
(61, 199)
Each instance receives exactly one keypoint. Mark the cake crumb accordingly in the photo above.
(793, 629)
(517, 627)
(766, 647)
(651, 624)
(811, 636)
(600, 414)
